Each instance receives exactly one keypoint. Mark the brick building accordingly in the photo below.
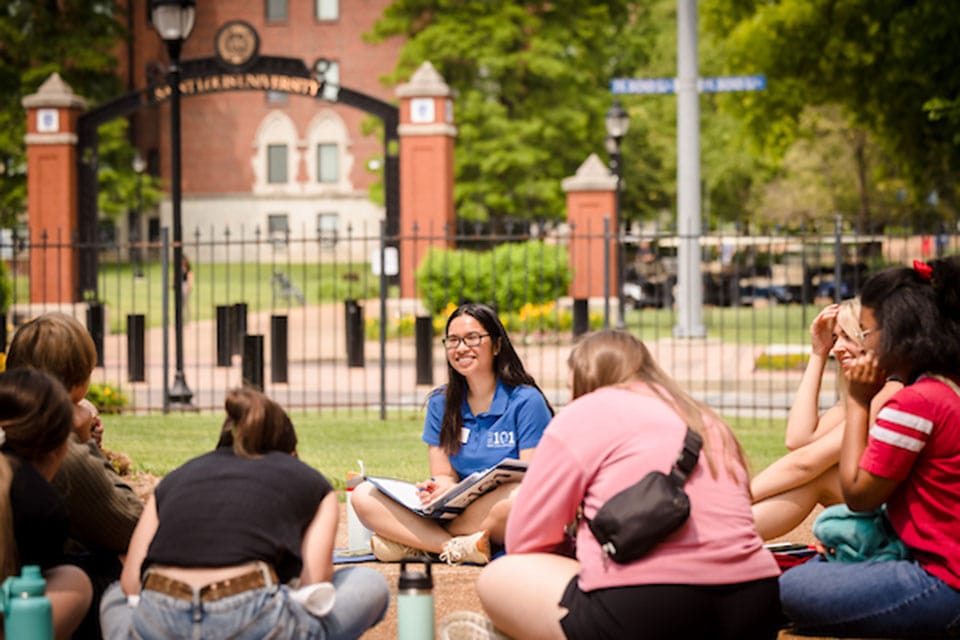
(262, 160)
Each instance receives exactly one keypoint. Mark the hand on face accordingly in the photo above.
(83, 421)
(821, 329)
(865, 377)
(846, 349)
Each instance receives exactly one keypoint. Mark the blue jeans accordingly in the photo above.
(268, 612)
(885, 599)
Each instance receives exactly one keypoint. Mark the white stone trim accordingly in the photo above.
(592, 175)
(427, 130)
(425, 82)
(50, 138)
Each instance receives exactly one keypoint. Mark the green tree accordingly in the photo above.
(889, 64)
(118, 182)
(532, 83)
(78, 39)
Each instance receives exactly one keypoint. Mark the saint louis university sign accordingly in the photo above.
(240, 67)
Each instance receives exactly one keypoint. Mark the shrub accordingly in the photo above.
(397, 327)
(106, 397)
(782, 361)
(510, 276)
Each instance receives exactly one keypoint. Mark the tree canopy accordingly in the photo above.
(38, 38)
(861, 115)
(890, 65)
(532, 83)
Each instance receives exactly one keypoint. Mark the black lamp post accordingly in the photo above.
(173, 20)
(617, 120)
(139, 166)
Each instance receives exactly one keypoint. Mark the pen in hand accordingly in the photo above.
(426, 489)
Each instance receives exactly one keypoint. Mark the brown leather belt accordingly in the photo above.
(264, 576)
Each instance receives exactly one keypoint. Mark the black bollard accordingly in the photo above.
(238, 326)
(136, 358)
(424, 338)
(354, 321)
(278, 349)
(95, 313)
(252, 367)
(224, 336)
(581, 317)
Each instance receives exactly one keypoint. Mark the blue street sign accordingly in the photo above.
(733, 83)
(705, 85)
(642, 85)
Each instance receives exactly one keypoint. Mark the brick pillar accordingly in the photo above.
(426, 134)
(591, 197)
(52, 191)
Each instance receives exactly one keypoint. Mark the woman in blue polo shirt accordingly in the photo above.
(490, 410)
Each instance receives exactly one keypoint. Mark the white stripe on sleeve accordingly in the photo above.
(896, 439)
(905, 419)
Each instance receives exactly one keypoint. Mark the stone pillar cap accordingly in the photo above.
(426, 81)
(54, 92)
(592, 175)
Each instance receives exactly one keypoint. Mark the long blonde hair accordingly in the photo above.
(617, 358)
(848, 319)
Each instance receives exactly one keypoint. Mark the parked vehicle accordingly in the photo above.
(774, 294)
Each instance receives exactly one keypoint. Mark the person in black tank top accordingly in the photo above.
(228, 538)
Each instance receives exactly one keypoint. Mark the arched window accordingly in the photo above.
(275, 156)
(328, 156)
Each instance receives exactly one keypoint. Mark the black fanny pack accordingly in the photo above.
(637, 519)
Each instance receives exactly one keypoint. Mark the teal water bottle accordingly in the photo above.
(415, 603)
(27, 614)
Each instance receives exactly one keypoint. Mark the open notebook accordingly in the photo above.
(452, 502)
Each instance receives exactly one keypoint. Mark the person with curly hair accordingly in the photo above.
(906, 459)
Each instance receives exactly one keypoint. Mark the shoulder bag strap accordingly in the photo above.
(687, 459)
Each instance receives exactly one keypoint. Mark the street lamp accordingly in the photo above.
(173, 20)
(617, 121)
(139, 166)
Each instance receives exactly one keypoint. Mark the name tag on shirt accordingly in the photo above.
(464, 435)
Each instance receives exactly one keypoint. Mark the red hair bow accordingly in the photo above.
(924, 269)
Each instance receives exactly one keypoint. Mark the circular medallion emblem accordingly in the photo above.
(236, 44)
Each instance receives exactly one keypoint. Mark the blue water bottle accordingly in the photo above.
(27, 614)
(415, 603)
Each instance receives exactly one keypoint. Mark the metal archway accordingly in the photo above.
(208, 75)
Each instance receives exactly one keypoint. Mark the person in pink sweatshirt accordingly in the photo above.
(711, 578)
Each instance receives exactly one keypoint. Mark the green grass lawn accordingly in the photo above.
(775, 324)
(334, 444)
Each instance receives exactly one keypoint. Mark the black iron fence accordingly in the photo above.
(318, 320)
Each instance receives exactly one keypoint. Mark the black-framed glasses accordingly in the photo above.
(470, 340)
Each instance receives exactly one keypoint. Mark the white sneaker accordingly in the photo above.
(467, 625)
(387, 550)
(473, 548)
(316, 598)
